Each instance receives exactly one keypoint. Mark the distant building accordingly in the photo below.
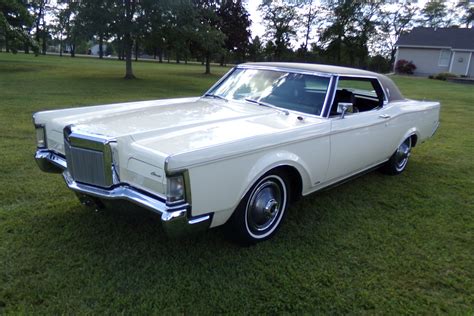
(438, 50)
(94, 50)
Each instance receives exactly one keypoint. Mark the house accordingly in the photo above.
(435, 50)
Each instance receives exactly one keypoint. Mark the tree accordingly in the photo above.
(434, 14)
(153, 24)
(314, 14)
(62, 19)
(97, 19)
(235, 24)
(127, 18)
(256, 49)
(342, 24)
(394, 21)
(280, 20)
(347, 36)
(208, 38)
(40, 9)
(466, 13)
(15, 21)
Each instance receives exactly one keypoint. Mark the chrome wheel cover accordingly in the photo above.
(265, 206)
(402, 154)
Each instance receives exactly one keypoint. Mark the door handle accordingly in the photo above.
(384, 116)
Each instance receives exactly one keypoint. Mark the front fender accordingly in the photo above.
(274, 160)
(259, 167)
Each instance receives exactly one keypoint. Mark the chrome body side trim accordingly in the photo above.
(176, 219)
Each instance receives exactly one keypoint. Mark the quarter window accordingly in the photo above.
(444, 58)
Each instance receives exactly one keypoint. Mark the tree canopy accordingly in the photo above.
(354, 33)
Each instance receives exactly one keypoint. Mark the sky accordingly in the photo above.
(257, 27)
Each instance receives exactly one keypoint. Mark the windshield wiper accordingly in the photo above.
(267, 105)
(215, 96)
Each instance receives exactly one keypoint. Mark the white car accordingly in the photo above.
(261, 137)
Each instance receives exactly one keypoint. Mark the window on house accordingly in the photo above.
(444, 58)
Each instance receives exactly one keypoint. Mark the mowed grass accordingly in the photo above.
(378, 244)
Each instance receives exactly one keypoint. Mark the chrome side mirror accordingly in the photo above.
(344, 108)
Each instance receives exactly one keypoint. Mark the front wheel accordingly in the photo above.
(399, 160)
(261, 211)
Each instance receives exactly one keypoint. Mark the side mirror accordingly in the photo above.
(344, 108)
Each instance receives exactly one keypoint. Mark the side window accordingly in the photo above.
(365, 94)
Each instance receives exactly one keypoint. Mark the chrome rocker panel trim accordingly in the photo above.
(175, 219)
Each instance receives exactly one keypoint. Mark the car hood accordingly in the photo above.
(174, 127)
(164, 118)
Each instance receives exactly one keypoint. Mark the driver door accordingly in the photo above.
(359, 140)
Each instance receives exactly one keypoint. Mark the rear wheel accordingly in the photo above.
(399, 160)
(261, 211)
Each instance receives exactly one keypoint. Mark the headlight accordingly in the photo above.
(40, 136)
(175, 190)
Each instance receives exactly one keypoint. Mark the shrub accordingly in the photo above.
(405, 67)
(444, 76)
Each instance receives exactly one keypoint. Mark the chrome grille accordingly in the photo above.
(86, 165)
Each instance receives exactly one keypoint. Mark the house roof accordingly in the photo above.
(455, 38)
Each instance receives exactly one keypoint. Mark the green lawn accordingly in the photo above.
(378, 244)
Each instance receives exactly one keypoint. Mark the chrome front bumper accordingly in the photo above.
(176, 219)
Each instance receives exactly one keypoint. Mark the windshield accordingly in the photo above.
(291, 91)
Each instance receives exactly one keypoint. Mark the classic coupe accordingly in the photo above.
(261, 137)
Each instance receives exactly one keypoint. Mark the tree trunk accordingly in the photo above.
(136, 49)
(208, 64)
(38, 22)
(392, 57)
(128, 57)
(101, 46)
(7, 48)
(222, 60)
(308, 30)
(339, 47)
(119, 51)
(44, 42)
(45, 35)
(60, 48)
(128, 43)
(26, 48)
